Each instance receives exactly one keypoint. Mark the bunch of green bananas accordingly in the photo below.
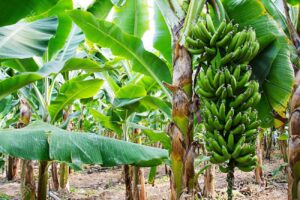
(227, 93)
(239, 46)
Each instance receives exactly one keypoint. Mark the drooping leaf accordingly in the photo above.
(21, 65)
(25, 40)
(14, 10)
(272, 66)
(132, 17)
(100, 8)
(42, 141)
(107, 122)
(64, 26)
(162, 36)
(131, 92)
(74, 39)
(72, 90)
(275, 12)
(106, 34)
(84, 64)
(9, 85)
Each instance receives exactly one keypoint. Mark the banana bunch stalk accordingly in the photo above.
(227, 93)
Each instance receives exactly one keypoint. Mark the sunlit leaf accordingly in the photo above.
(41, 141)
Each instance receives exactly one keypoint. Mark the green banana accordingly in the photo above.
(223, 43)
(222, 78)
(237, 148)
(210, 51)
(230, 142)
(237, 72)
(228, 125)
(221, 140)
(244, 159)
(217, 124)
(217, 34)
(230, 114)
(225, 153)
(234, 41)
(239, 129)
(238, 100)
(218, 157)
(250, 133)
(223, 169)
(195, 51)
(203, 30)
(205, 93)
(219, 90)
(241, 39)
(214, 144)
(229, 91)
(210, 24)
(237, 119)
(245, 78)
(216, 79)
(233, 82)
(222, 110)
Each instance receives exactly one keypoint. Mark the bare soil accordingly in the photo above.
(95, 182)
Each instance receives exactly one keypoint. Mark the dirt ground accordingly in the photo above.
(102, 183)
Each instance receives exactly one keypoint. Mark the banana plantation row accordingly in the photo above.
(78, 87)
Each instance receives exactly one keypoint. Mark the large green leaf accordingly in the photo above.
(106, 34)
(64, 26)
(11, 84)
(75, 38)
(162, 36)
(100, 8)
(41, 141)
(21, 65)
(14, 10)
(72, 90)
(25, 40)
(132, 17)
(84, 64)
(107, 122)
(272, 66)
(131, 92)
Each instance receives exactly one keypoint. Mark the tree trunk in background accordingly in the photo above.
(209, 182)
(259, 175)
(269, 145)
(54, 176)
(294, 145)
(43, 180)
(27, 181)
(139, 192)
(181, 129)
(128, 194)
(64, 167)
(283, 145)
(12, 168)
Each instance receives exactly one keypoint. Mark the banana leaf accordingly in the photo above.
(108, 35)
(42, 141)
(132, 17)
(25, 40)
(272, 67)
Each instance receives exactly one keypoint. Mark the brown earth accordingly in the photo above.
(95, 182)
